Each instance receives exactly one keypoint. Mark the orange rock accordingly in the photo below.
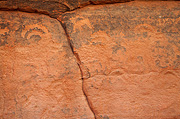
(39, 77)
(53, 8)
(130, 58)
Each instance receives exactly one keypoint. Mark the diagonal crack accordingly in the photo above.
(79, 65)
(75, 54)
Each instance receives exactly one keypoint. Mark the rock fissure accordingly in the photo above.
(123, 42)
(84, 92)
(72, 49)
(88, 102)
(55, 8)
(79, 65)
(28, 11)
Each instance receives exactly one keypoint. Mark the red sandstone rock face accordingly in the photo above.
(50, 7)
(39, 77)
(53, 8)
(130, 58)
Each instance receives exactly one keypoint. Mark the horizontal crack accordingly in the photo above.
(55, 11)
(26, 11)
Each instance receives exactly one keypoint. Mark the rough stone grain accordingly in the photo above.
(129, 55)
(39, 77)
(53, 8)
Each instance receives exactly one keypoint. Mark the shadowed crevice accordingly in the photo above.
(79, 65)
(54, 8)
(78, 61)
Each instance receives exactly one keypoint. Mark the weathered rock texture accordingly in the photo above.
(39, 77)
(117, 61)
(129, 55)
(53, 8)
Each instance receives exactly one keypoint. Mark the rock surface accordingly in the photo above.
(39, 76)
(53, 8)
(129, 55)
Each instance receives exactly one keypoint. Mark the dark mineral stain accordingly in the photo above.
(118, 47)
(65, 110)
(34, 29)
(35, 37)
(177, 62)
(3, 25)
(145, 34)
(104, 117)
(140, 59)
(158, 63)
(83, 117)
(4, 36)
(3, 40)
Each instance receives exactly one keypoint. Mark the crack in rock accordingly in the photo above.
(79, 65)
